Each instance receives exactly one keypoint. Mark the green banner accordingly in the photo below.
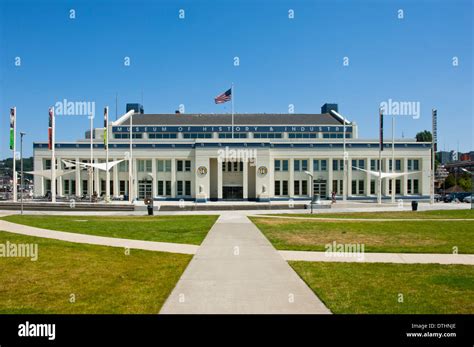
(105, 138)
(12, 138)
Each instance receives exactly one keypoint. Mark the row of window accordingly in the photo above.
(338, 164)
(229, 135)
(235, 166)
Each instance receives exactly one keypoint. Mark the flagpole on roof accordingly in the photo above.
(232, 100)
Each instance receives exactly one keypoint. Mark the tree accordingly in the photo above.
(424, 136)
(450, 181)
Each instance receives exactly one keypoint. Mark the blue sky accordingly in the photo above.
(282, 61)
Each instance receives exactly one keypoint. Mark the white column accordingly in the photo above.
(219, 179)
(135, 178)
(329, 189)
(97, 179)
(368, 177)
(78, 178)
(311, 170)
(291, 165)
(115, 179)
(60, 191)
(173, 178)
(245, 180)
(153, 174)
(387, 169)
(405, 177)
(349, 177)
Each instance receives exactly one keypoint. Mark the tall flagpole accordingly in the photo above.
(106, 145)
(13, 148)
(393, 158)
(379, 181)
(91, 168)
(130, 178)
(232, 100)
(53, 156)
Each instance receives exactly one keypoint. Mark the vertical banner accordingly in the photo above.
(381, 131)
(12, 127)
(106, 125)
(50, 129)
(434, 114)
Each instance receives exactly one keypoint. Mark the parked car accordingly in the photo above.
(468, 199)
(455, 197)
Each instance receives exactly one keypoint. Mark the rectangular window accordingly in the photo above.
(372, 187)
(361, 187)
(361, 164)
(187, 165)
(179, 165)
(284, 187)
(187, 188)
(241, 166)
(277, 165)
(85, 186)
(179, 188)
(398, 165)
(304, 165)
(285, 165)
(168, 165)
(315, 165)
(160, 165)
(168, 188)
(416, 164)
(398, 187)
(409, 190)
(334, 186)
(144, 165)
(277, 188)
(415, 187)
(122, 187)
(304, 187)
(236, 166)
(335, 164)
(123, 166)
(297, 165)
(297, 187)
(324, 165)
(161, 188)
(354, 187)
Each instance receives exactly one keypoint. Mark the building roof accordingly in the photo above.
(239, 119)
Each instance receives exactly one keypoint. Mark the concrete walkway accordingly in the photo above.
(98, 240)
(236, 270)
(400, 258)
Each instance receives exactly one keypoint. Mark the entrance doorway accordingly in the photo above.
(145, 189)
(319, 188)
(232, 193)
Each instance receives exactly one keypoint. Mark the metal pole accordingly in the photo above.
(130, 183)
(393, 158)
(91, 169)
(15, 197)
(312, 193)
(232, 100)
(53, 157)
(379, 180)
(345, 157)
(21, 169)
(107, 174)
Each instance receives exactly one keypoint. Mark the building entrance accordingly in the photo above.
(232, 193)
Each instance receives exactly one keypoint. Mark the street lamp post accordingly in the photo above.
(312, 189)
(345, 182)
(21, 169)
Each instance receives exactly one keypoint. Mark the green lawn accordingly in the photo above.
(177, 229)
(376, 236)
(441, 214)
(376, 288)
(102, 279)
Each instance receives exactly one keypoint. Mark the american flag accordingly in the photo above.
(224, 97)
